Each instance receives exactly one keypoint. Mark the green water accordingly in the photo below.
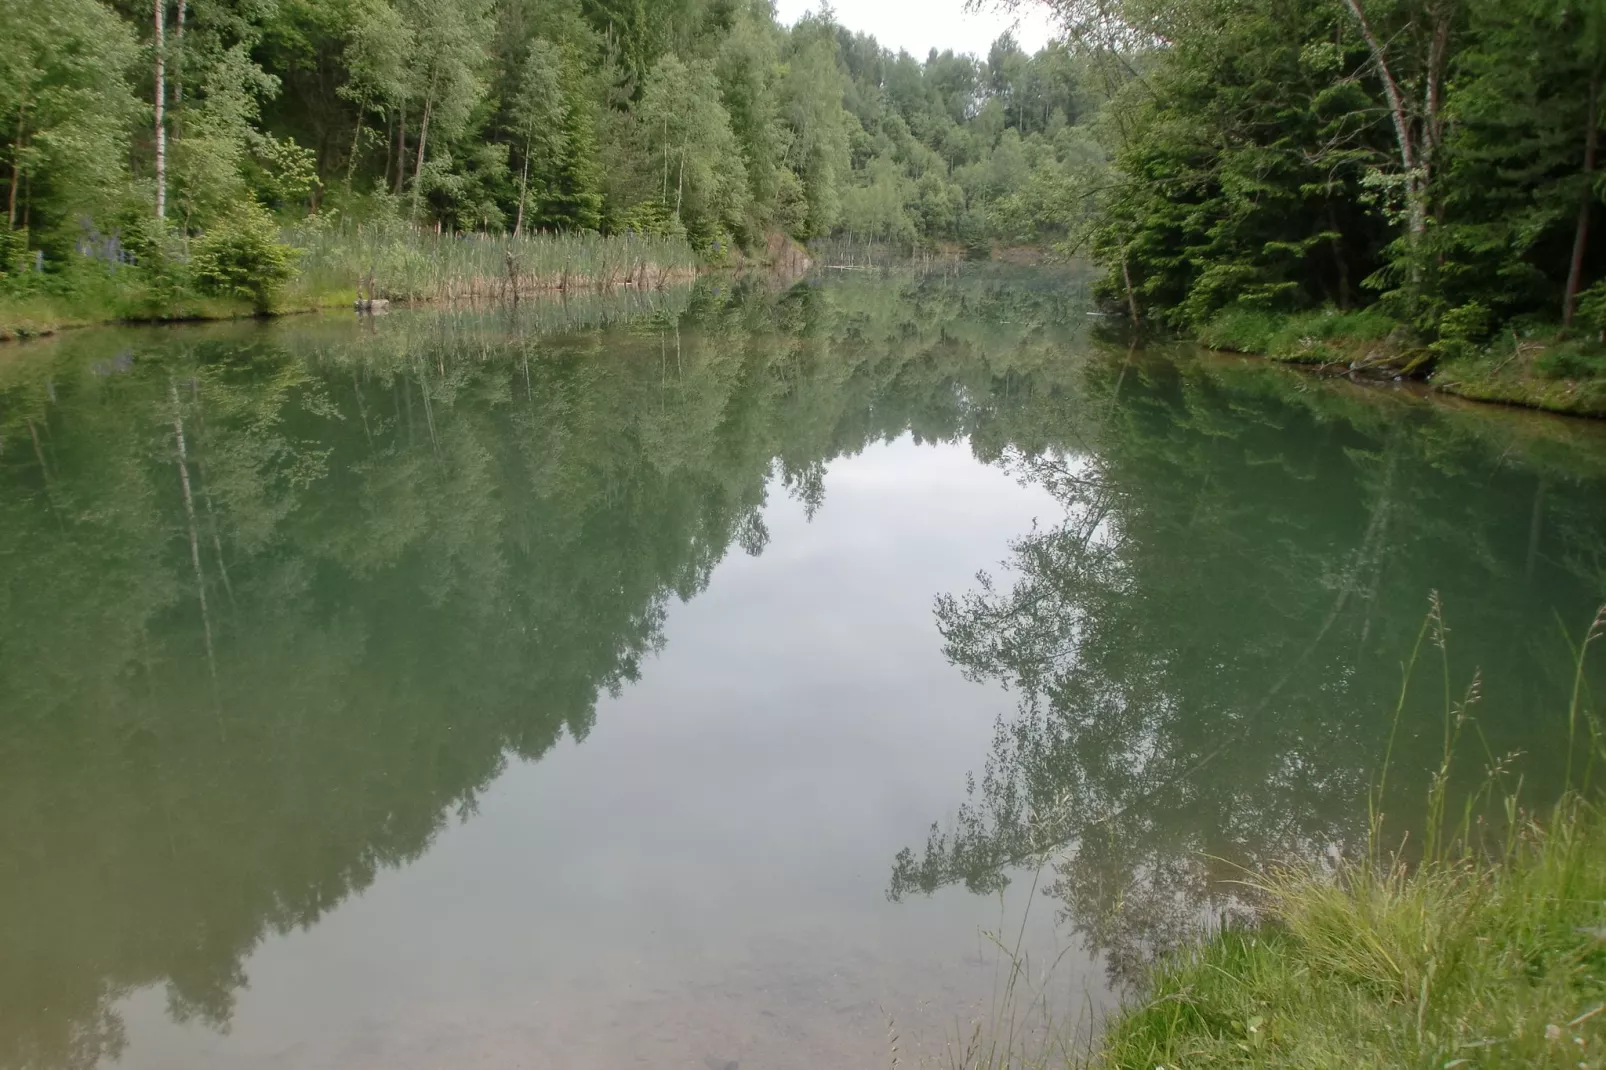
(579, 687)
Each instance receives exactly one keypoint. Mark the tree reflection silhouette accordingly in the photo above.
(1206, 648)
(424, 547)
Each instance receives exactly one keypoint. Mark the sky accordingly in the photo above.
(917, 26)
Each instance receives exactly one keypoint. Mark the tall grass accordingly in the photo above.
(849, 253)
(404, 263)
(1318, 337)
(342, 261)
(1480, 944)
(1474, 960)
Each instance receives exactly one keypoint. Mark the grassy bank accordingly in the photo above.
(1487, 960)
(331, 265)
(1546, 369)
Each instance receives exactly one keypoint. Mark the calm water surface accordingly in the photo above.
(698, 678)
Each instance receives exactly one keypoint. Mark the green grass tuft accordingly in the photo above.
(1487, 961)
(1316, 337)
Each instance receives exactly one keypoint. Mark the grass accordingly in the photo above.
(1543, 370)
(1484, 945)
(1478, 960)
(407, 264)
(91, 295)
(1548, 370)
(1323, 336)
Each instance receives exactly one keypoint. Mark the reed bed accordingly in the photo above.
(856, 254)
(402, 263)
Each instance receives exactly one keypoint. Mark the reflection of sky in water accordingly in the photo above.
(705, 876)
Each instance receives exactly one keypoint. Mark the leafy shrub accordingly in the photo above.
(1471, 322)
(1592, 308)
(13, 251)
(242, 256)
(652, 218)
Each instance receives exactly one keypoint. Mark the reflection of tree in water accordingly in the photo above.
(241, 682)
(1206, 649)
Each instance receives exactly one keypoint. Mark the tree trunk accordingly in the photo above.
(161, 93)
(195, 534)
(1131, 295)
(1432, 128)
(351, 157)
(390, 134)
(680, 182)
(178, 58)
(524, 185)
(423, 140)
(401, 146)
(16, 170)
(1575, 272)
(1535, 526)
(1339, 262)
(1415, 194)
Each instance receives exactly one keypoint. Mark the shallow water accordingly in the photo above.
(561, 688)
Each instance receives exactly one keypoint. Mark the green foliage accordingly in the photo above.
(558, 148)
(241, 256)
(1242, 166)
(1382, 965)
(1572, 360)
(1441, 160)
(812, 96)
(1314, 336)
(1592, 308)
(693, 147)
(66, 106)
(707, 119)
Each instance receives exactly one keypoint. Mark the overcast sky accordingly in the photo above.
(917, 26)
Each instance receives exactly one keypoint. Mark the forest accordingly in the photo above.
(1299, 177)
(698, 118)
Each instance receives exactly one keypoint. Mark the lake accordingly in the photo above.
(728, 675)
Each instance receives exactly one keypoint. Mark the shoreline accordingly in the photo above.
(335, 302)
(1335, 349)
(1541, 372)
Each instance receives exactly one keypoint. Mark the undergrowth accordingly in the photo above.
(1309, 337)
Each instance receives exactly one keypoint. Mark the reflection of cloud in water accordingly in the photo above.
(799, 1002)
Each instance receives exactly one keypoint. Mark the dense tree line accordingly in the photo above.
(1437, 158)
(127, 124)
